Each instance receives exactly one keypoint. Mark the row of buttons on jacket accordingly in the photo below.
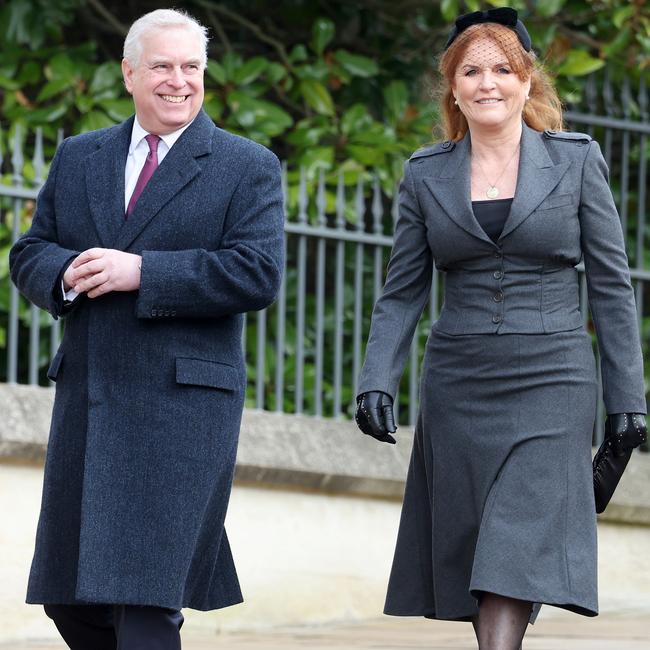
(498, 295)
(162, 312)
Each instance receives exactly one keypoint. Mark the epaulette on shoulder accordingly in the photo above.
(568, 136)
(434, 150)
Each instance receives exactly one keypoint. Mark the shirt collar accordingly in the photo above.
(138, 134)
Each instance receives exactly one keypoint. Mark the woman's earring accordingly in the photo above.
(456, 102)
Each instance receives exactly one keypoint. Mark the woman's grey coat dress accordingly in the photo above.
(150, 383)
(499, 494)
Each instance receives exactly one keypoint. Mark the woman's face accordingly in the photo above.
(488, 92)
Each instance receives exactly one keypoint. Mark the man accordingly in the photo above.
(152, 238)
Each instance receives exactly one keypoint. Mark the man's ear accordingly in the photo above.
(127, 74)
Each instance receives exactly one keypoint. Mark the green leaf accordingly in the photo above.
(255, 89)
(30, 73)
(449, 9)
(84, 103)
(118, 109)
(250, 71)
(318, 70)
(216, 72)
(578, 63)
(231, 62)
(473, 5)
(52, 88)
(264, 116)
(298, 53)
(355, 119)
(258, 135)
(356, 65)
(95, 120)
(107, 75)
(316, 158)
(9, 84)
(351, 170)
(548, 8)
(395, 100)
(317, 96)
(47, 114)
(322, 32)
(621, 15)
(242, 108)
(213, 106)
(368, 156)
(275, 72)
(61, 66)
(8, 65)
(619, 43)
(376, 136)
(274, 121)
(4, 261)
(306, 136)
(23, 25)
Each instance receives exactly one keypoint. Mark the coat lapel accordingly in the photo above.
(105, 182)
(538, 176)
(177, 169)
(451, 189)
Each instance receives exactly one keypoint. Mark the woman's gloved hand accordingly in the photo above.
(374, 415)
(623, 432)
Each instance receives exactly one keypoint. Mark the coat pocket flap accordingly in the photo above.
(201, 372)
(556, 201)
(55, 364)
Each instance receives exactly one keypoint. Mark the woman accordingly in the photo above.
(498, 514)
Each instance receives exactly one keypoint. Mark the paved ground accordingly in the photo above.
(624, 631)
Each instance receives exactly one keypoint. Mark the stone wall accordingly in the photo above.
(291, 451)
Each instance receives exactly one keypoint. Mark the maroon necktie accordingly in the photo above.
(149, 168)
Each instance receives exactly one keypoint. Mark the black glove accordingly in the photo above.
(623, 432)
(374, 415)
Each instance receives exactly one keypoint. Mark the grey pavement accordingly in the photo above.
(615, 631)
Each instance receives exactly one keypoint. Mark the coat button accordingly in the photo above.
(498, 296)
(173, 312)
(498, 255)
(446, 144)
(497, 318)
(154, 312)
(498, 275)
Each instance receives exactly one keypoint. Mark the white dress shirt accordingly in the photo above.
(138, 150)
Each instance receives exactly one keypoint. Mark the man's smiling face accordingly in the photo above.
(167, 81)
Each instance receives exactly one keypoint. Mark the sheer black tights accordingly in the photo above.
(501, 622)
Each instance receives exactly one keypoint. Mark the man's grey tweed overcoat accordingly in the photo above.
(499, 494)
(150, 383)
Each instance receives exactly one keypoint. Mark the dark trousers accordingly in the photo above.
(117, 627)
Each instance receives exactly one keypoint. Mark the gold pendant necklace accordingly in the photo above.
(492, 191)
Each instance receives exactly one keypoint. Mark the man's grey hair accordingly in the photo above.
(159, 19)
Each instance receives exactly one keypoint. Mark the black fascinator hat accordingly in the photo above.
(501, 15)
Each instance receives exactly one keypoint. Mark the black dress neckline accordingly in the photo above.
(491, 215)
(510, 198)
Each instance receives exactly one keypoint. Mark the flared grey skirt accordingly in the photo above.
(499, 494)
